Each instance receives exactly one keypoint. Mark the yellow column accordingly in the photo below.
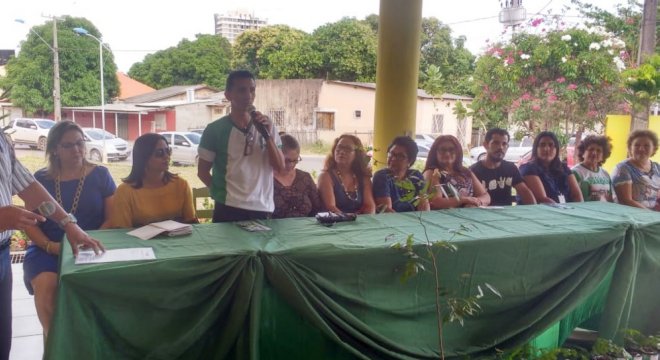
(654, 125)
(399, 31)
(617, 127)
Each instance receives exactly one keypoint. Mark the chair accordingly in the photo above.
(203, 203)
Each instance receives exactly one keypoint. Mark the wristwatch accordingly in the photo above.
(69, 218)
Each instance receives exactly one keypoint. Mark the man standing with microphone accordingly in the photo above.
(242, 149)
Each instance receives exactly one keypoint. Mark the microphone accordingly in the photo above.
(259, 126)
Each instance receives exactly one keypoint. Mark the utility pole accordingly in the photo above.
(640, 119)
(57, 108)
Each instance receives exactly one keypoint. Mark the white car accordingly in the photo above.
(184, 146)
(116, 148)
(424, 139)
(32, 132)
(516, 150)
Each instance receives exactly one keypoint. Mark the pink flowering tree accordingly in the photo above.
(542, 79)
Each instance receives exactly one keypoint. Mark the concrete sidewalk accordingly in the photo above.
(27, 336)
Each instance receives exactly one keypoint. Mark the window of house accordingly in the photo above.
(357, 114)
(160, 123)
(277, 116)
(325, 120)
(437, 123)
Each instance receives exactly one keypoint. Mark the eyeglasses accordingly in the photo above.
(249, 142)
(345, 149)
(450, 150)
(294, 162)
(397, 156)
(162, 152)
(67, 145)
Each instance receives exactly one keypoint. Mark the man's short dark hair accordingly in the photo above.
(496, 131)
(235, 75)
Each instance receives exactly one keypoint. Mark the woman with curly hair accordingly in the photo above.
(345, 182)
(594, 181)
(454, 184)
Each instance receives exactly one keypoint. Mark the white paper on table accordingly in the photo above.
(115, 255)
(170, 227)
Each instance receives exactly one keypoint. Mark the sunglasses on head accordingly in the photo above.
(162, 152)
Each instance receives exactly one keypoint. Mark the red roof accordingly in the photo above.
(129, 87)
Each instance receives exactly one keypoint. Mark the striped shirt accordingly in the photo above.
(14, 178)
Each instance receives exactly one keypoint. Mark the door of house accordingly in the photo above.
(122, 126)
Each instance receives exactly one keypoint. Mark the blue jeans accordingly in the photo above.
(5, 303)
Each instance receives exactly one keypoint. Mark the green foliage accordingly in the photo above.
(347, 49)
(643, 82)
(432, 81)
(277, 51)
(448, 55)
(30, 74)
(564, 78)
(606, 347)
(205, 60)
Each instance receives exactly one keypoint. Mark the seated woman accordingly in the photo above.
(295, 193)
(81, 188)
(550, 180)
(444, 171)
(398, 187)
(637, 179)
(150, 193)
(594, 181)
(345, 183)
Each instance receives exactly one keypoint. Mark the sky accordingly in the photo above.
(133, 29)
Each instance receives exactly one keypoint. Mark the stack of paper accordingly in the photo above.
(168, 227)
(132, 254)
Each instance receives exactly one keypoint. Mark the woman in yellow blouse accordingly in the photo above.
(150, 193)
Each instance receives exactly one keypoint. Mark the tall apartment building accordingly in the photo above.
(232, 24)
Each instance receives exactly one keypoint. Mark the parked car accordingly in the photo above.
(32, 132)
(424, 139)
(570, 152)
(198, 131)
(116, 148)
(527, 157)
(516, 150)
(184, 146)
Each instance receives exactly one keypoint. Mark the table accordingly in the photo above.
(307, 291)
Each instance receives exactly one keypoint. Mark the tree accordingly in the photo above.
(204, 60)
(347, 49)
(265, 52)
(560, 79)
(643, 85)
(454, 61)
(30, 74)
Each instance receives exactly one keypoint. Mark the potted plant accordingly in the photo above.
(604, 349)
(642, 347)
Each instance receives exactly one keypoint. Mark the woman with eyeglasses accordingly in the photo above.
(83, 190)
(151, 193)
(550, 180)
(637, 179)
(452, 185)
(397, 188)
(295, 194)
(345, 182)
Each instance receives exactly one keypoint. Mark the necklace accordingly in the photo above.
(76, 197)
(354, 197)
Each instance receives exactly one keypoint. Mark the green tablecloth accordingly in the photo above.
(308, 291)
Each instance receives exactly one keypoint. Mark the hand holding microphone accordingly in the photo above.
(259, 125)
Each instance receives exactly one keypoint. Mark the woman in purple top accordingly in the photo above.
(82, 189)
(295, 193)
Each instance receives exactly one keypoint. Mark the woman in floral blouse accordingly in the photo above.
(295, 193)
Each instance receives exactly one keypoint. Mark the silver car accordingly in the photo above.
(184, 146)
(32, 132)
(116, 148)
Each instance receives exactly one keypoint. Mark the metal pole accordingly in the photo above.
(57, 108)
(104, 156)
